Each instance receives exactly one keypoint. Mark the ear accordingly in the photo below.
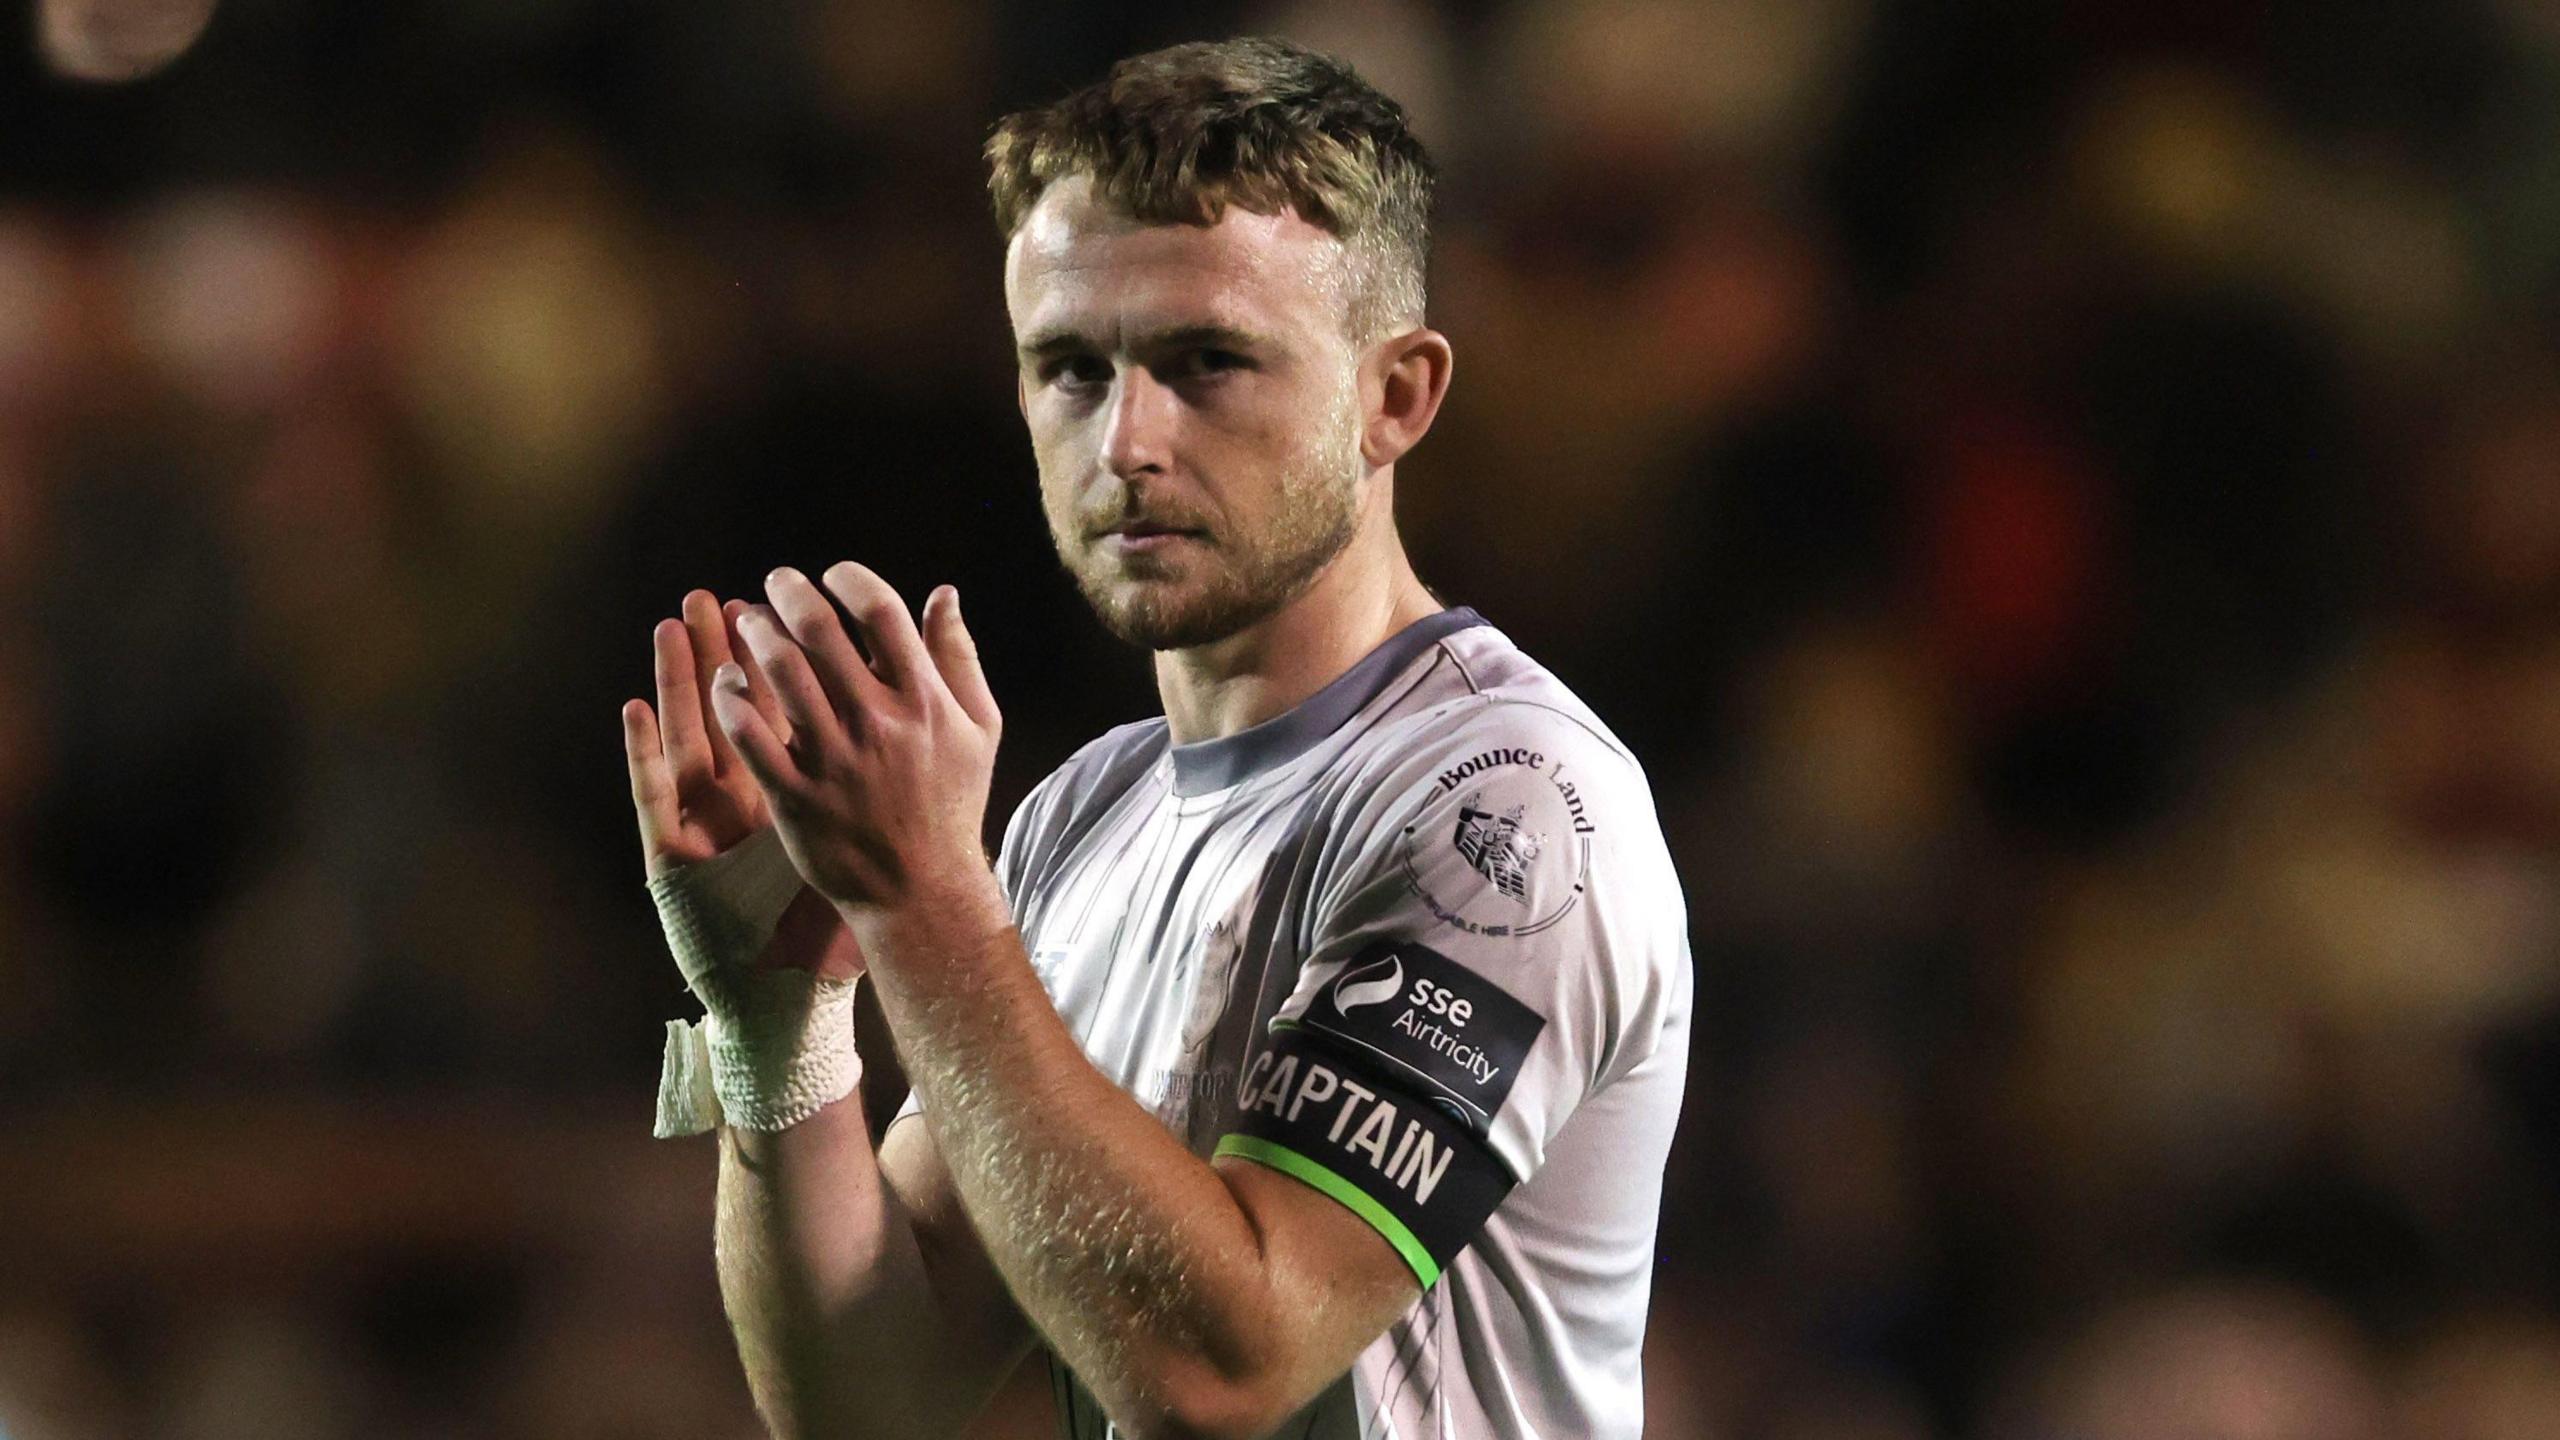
(1408, 375)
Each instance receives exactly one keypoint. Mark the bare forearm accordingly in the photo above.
(1133, 1257)
(828, 1289)
(1128, 1252)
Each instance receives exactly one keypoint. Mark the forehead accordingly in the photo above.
(1079, 263)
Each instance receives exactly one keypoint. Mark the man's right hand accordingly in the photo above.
(693, 795)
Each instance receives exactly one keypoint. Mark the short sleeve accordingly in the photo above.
(1495, 942)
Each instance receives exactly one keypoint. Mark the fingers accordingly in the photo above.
(757, 691)
(758, 747)
(807, 709)
(955, 655)
(653, 786)
(709, 637)
(789, 676)
(897, 652)
(840, 669)
(680, 704)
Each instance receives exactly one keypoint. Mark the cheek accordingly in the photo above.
(1056, 451)
(1057, 497)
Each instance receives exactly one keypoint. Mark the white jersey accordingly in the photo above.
(1418, 943)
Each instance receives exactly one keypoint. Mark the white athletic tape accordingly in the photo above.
(720, 913)
(774, 1046)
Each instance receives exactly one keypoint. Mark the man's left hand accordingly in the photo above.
(880, 793)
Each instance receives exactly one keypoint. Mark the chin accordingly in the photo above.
(1159, 616)
(1185, 601)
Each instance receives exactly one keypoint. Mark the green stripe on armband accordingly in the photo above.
(1289, 1162)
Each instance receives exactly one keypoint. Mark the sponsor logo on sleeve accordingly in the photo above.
(1453, 1037)
(1522, 832)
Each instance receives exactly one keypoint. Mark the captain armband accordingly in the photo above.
(1420, 1176)
(1382, 1090)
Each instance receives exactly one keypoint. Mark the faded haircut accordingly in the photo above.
(1175, 136)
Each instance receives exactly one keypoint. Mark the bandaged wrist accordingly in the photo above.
(771, 1050)
(774, 1046)
(720, 913)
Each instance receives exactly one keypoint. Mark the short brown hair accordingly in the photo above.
(1177, 135)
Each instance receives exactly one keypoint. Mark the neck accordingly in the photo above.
(1366, 594)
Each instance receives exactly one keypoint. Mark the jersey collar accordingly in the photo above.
(1210, 765)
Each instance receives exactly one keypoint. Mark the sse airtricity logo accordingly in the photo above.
(1373, 984)
(1454, 1036)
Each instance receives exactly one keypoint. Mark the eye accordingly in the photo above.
(1208, 361)
(1075, 372)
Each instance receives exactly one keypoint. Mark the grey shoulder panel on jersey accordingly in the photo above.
(1046, 821)
(1538, 724)
(1502, 673)
(1115, 757)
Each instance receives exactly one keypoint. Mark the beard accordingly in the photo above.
(1218, 582)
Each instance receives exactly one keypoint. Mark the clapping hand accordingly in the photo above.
(874, 762)
(694, 797)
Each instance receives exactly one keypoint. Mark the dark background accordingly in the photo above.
(2064, 499)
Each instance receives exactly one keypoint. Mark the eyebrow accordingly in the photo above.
(1050, 343)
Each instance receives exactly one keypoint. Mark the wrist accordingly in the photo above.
(951, 912)
(774, 1045)
(772, 1049)
(719, 913)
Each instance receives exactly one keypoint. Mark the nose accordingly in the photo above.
(1138, 433)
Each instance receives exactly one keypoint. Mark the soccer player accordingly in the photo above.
(1306, 1060)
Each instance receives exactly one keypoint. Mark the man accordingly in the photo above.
(1307, 1059)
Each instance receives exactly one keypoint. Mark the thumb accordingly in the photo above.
(955, 654)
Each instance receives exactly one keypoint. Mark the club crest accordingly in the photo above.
(1523, 827)
(1497, 846)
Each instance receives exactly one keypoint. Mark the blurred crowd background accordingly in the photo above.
(2063, 497)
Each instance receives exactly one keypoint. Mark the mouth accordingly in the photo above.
(1142, 537)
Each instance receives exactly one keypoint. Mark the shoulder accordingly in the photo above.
(1121, 751)
(1510, 832)
(1099, 772)
(1506, 808)
(1515, 728)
